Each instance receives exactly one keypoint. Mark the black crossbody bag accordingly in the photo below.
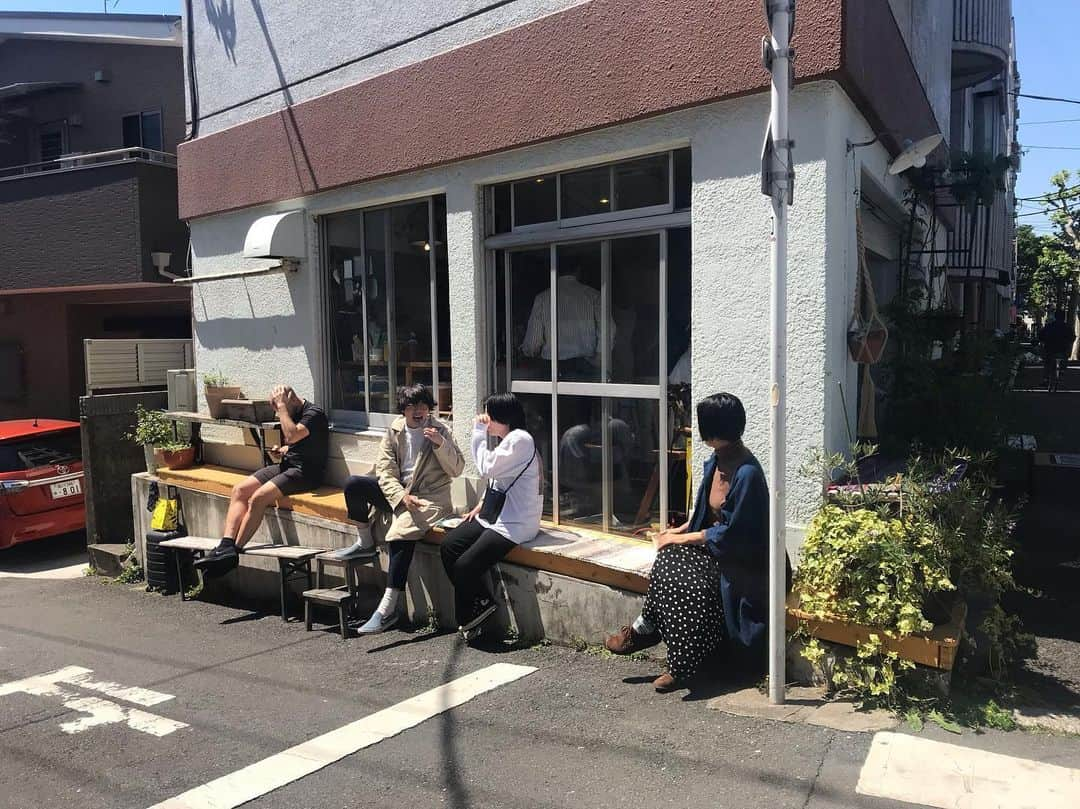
(494, 500)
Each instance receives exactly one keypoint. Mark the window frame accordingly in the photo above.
(561, 222)
(552, 238)
(141, 115)
(368, 418)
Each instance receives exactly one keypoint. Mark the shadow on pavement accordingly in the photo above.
(61, 557)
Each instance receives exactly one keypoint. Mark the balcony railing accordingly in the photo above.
(85, 160)
(982, 30)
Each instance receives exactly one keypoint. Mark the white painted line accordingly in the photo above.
(98, 711)
(140, 696)
(290, 765)
(929, 773)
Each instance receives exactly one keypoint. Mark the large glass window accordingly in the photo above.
(389, 305)
(605, 379)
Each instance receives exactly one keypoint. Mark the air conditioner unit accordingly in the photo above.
(181, 388)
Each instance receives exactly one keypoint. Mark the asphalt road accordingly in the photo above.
(582, 731)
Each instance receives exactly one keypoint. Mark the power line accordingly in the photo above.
(1057, 148)
(1044, 98)
(1041, 123)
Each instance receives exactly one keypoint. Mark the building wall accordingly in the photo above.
(50, 327)
(142, 78)
(255, 58)
(266, 329)
(90, 225)
(927, 27)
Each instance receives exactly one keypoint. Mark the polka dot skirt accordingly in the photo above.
(683, 603)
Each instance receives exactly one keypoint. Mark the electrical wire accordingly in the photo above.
(1044, 98)
(357, 59)
(1059, 148)
(1043, 123)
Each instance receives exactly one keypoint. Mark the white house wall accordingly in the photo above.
(266, 329)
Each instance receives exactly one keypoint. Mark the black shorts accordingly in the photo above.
(289, 480)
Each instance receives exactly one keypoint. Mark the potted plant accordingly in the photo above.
(217, 388)
(152, 430)
(177, 454)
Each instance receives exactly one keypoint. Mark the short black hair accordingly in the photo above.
(721, 417)
(414, 395)
(505, 408)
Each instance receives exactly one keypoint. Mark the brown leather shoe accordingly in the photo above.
(665, 683)
(627, 641)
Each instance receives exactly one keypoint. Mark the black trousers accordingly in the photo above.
(468, 554)
(362, 494)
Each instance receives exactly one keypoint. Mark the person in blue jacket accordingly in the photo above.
(710, 581)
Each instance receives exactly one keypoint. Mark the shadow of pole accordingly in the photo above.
(312, 183)
(457, 794)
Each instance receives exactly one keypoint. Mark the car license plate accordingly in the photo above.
(69, 488)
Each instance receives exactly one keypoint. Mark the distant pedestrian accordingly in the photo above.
(1057, 339)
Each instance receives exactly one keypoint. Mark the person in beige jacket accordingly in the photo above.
(410, 489)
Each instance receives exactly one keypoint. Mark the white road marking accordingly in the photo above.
(928, 773)
(99, 711)
(140, 696)
(290, 765)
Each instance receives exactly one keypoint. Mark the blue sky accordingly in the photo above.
(1049, 64)
(1048, 61)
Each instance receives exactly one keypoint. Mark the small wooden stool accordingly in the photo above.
(343, 598)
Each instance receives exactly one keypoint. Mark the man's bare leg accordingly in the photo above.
(242, 493)
(266, 496)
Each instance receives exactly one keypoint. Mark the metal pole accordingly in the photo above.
(780, 23)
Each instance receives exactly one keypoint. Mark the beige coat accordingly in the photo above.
(436, 467)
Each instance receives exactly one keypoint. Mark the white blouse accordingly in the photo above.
(520, 518)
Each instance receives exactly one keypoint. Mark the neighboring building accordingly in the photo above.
(451, 164)
(91, 111)
(985, 81)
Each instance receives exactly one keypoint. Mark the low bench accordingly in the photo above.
(615, 561)
(293, 561)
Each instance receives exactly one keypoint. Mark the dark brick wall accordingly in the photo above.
(94, 225)
(142, 78)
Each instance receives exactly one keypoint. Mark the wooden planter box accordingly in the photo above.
(936, 648)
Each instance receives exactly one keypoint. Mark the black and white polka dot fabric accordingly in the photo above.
(683, 603)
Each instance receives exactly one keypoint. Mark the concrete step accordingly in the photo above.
(107, 558)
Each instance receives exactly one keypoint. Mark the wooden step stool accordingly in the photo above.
(344, 598)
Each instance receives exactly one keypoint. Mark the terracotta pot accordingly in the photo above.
(867, 347)
(179, 459)
(215, 395)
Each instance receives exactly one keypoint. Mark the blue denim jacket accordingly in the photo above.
(739, 541)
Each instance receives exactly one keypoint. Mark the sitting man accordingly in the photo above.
(417, 462)
(306, 433)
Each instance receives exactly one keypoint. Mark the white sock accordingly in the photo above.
(363, 536)
(643, 627)
(389, 602)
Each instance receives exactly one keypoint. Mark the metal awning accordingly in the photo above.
(26, 88)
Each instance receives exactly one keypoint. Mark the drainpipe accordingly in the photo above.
(778, 182)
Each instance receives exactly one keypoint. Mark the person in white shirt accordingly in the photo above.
(578, 324)
(512, 468)
(417, 462)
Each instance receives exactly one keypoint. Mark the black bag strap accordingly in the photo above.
(174, 494)
(519, 474)
(152, 495)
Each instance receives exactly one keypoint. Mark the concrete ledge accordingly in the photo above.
(107, 558)
(540, 603)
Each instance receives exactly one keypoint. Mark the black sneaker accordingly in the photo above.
(219, 561)
(484, 610)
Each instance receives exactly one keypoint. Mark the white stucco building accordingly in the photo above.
(452, 167)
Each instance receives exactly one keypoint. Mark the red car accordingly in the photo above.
(41, 480)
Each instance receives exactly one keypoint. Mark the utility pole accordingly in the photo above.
(778, 182)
